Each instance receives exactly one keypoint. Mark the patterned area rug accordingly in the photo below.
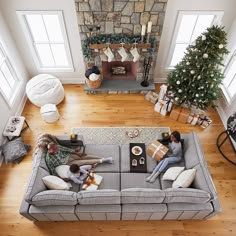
(119, 135)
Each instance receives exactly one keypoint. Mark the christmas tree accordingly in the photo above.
(196, 79)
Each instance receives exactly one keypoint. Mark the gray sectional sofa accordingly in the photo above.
(123, 195)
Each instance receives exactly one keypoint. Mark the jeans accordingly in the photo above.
(163, 164)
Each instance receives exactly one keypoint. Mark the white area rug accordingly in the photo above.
(117, 135)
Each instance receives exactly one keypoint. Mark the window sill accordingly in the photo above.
(225, 95)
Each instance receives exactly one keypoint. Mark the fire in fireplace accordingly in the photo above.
(119, 70)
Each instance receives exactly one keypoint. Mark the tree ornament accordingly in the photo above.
(178, 82)
(221, 46)
(187, 63)
(184, 70)
(199, 77)
(205, 55)
(203, 37)
(180, 90)
(176, 99)
(197, 95)
(212, 75)
(192, 72)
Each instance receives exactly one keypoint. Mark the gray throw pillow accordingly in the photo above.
(13, 150)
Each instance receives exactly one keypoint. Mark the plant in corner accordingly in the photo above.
(196, 79)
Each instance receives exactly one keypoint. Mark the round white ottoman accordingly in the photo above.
(44, 89)
(49, 113)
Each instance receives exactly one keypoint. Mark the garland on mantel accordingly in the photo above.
(114, 38)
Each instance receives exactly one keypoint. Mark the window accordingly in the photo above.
(8, 79)
(48, 40)
(188, 27)
(229, 82)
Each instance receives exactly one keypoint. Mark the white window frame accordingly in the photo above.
(27, 32)
(216, 21)
(15, 88)
(228, 65)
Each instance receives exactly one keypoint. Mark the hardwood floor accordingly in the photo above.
(81, 110)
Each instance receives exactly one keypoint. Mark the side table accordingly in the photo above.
(14, 127)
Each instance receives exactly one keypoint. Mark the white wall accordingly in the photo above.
(9, 8)
(173, 6)
(10, 48)
(225, 109)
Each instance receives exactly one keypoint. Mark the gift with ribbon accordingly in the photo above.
(92, 182)
(204, 121)
(192, 119)
(180, 114)
(157, 150)
(151, 97)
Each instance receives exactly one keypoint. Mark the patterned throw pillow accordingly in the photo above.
(13, 150)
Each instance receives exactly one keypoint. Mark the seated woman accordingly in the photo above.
(59, 155)
(174, 155)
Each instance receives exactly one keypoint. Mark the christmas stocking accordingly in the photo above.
(135, 54)
(123, 54)
(109, 54)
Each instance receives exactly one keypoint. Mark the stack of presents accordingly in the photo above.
(165, 106)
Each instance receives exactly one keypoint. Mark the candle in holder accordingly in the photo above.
(143, 30)
(149, 28)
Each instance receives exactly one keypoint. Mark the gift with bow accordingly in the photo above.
(92, 182)
(157, 150)
(193, 119)
(204, 122)
(151, 97)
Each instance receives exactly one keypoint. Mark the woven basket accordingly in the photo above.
(94, 84)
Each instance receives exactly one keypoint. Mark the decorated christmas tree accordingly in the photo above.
(196, 79)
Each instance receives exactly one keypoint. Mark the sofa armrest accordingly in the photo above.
(24, 210)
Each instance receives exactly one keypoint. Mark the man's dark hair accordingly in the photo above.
(176, 134)
(74, 168)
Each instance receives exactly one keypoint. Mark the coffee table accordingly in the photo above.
(138, 162)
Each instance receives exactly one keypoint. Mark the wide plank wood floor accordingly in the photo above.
(82, 110)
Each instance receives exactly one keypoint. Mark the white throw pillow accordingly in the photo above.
(62, 171)
(172, 173)
(185, 179)
(55, 183)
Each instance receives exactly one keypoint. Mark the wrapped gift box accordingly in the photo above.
(92, 183)
(163, 107)
(151, 97)
(204, 122)
(157, 150)
(180, 114)
(193, 119)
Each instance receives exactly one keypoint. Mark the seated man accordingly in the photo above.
(59, 155)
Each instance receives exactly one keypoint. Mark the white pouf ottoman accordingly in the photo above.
(49, 113)
(45, 89)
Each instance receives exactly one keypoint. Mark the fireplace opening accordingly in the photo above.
(119, 70)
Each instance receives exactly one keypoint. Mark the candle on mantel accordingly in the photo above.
(143, 30)
(149, 28)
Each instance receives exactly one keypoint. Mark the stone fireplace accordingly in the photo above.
(120, 17)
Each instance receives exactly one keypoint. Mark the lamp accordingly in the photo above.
(230, 132)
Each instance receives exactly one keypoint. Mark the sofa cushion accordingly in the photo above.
(185, 179)
(55, 183)
(142, 195)
(104, 196)
(188, 195)
(172, 173)
(105, 150)
(109, 181)
(192, 150)
(137, 180)
(55, 198)
(35, 183)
